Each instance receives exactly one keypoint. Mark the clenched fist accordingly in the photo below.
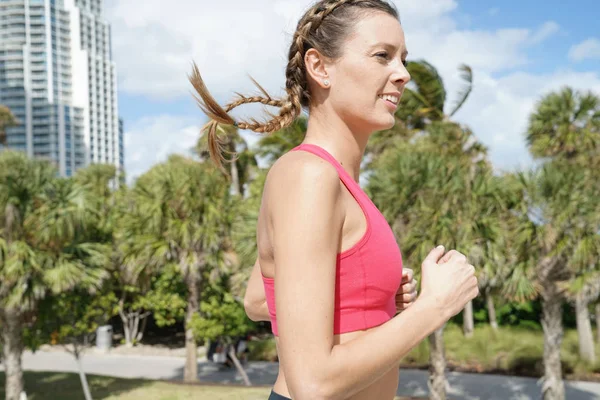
(407, 292)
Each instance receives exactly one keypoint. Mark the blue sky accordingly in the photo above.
(578, 21)
(519, 51)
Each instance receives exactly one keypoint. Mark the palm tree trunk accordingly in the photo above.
(598, 321)
(584, 330)
(239, 366)
(468, 323)
(140, 334)
(553, 387)
(82, 377)
(126, 319)
(235, 176)
(489, 301)
(190, 373)
(12, 349)
(437, 366)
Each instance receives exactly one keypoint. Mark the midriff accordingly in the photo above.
(383, 389)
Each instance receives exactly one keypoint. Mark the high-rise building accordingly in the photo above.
(58, 78)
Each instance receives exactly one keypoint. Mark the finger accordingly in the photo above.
(458, 256)
(409, 286)
(447, 257)
(434, 255)
(404, 305)
(409, 297)
(407, 274)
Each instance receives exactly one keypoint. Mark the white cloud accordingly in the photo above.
(588, 49)
(154, 46)
(151, 139)
(545, 31)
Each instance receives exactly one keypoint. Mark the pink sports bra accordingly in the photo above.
(368, 274)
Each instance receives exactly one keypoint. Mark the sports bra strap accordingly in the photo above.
(324, 154)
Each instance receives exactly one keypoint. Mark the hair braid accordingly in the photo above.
(296, 84)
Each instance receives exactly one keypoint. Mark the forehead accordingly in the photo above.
(377, 28)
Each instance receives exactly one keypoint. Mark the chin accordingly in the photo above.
(384, 123)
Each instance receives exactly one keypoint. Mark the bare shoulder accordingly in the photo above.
(300, 173)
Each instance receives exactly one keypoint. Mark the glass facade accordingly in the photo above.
(60, 86)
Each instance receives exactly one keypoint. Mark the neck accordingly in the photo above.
(346, 145)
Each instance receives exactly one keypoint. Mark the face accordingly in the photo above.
(367, 81)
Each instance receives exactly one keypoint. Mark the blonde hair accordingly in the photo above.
(324, 26)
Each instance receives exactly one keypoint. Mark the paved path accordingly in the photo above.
(412, 382)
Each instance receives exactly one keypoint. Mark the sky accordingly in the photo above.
(519, 51)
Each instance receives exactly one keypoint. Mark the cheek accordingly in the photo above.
(356, 94)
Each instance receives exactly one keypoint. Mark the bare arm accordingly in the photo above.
(255, 302)
(307, 217)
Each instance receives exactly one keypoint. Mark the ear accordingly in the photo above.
(317, 67)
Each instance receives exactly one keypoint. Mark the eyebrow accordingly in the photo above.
(388, 45)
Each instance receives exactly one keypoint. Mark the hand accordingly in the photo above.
(448, 281)
(407, 292)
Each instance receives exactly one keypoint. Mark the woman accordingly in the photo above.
(329, 263)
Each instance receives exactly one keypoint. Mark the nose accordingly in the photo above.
(401, 76)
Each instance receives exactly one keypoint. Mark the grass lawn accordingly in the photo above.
(66, 386)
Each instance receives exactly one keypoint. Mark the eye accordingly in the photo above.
(405, 63)
(383, 54)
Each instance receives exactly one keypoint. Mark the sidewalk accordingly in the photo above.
(412, 382)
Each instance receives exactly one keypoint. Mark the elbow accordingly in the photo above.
(251, 311)
(248, 309)
(314, 388)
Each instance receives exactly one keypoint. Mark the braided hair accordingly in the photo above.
(324, 26)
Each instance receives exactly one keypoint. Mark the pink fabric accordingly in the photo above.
(368, 274)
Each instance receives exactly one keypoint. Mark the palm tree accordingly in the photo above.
(183, 209)
(429, 97)
(564, 131)
(273, 146)
(557, 248)
(21, 182)
(423, 108)
(66, 233)
(43, 249)
(540, 269)
(243, 235)
(492, 256)
(565, 124)
(424, 101)
(133, 265)
(7, 120)
(432, 197)
(243, 161)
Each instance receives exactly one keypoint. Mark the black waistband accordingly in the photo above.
(277, 396)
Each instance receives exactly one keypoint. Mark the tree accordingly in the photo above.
(539, 271)
(243, 161)
(7, 120)
(434, 195)
(21, 181)
(183, 208)
(565, 124)
(222, 317)
(275, 145)
(424, 101)
(133, 269)
(243, 235)
(557, 236)
(43, 249)
(72, 318)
